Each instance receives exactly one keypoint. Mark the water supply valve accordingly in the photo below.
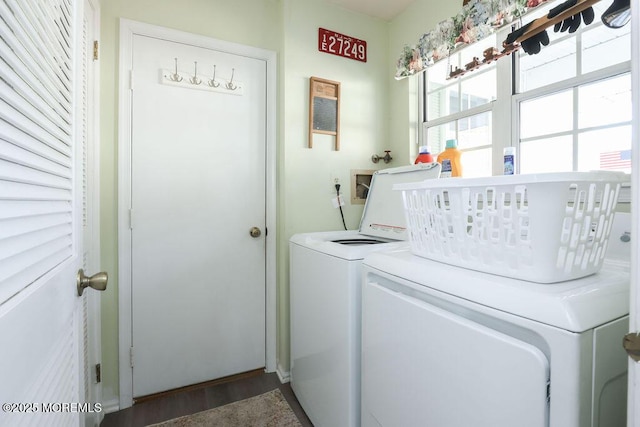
(387, 157)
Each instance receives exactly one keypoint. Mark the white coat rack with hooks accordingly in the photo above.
(196, 79)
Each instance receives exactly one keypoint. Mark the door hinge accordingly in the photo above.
(631, 344)
(131, 356)
(95, 50)
(131, 80)
(131, 219)
(98, 373)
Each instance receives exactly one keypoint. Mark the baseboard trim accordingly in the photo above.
(284, 376)
(110, 406)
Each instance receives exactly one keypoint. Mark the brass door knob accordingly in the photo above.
(98, 281)
(255, 232)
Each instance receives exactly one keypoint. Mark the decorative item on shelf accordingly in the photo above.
(480, 18)
(324, 109)
(457, 72)
(490, 54)
(509, 48)
(386, 158)
(477, 20)
(475, 63)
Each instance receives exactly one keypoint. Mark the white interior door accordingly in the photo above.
(41, 205)
(197, 188)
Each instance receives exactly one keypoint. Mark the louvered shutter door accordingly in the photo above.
(35, 140)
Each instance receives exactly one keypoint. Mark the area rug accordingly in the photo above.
(265, 410)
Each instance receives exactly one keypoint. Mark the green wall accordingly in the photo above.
(306, 186)
(377, 114)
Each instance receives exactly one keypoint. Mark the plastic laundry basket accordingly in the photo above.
(543, 228)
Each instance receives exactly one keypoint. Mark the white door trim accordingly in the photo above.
(633, 398)
(128, 29)
(92, 241)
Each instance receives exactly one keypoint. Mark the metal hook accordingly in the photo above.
(195, 80)
(213, 82)
(230, 85)
(175, 77)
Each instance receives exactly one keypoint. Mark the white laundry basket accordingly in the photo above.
(544, 228)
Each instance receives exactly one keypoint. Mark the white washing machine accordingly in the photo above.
(325, 288)
(448, 347)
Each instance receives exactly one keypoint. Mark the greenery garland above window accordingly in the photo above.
(477, 20)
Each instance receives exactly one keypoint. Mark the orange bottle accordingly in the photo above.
(450, 160)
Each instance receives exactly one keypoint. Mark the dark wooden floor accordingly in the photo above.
(201, 398)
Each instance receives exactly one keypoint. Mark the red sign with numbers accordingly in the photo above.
(341, 45)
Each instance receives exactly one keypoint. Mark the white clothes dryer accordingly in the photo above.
(325, 288)
(446, 346)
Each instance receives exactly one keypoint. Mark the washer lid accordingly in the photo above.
(330, 243)
(383, 214)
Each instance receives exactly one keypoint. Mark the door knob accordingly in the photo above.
(255, 232)
(631, 344)
(98, 281)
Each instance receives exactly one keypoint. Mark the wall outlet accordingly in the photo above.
(335, 179)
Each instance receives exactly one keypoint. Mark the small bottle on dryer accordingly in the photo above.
(450, 160)
(425, 155)
(510, 160)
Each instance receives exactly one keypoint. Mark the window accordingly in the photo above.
(570, 109)
(574, 102)
(461, 108)
(582, 128)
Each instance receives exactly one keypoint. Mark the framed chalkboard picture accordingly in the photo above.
(324, 109)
